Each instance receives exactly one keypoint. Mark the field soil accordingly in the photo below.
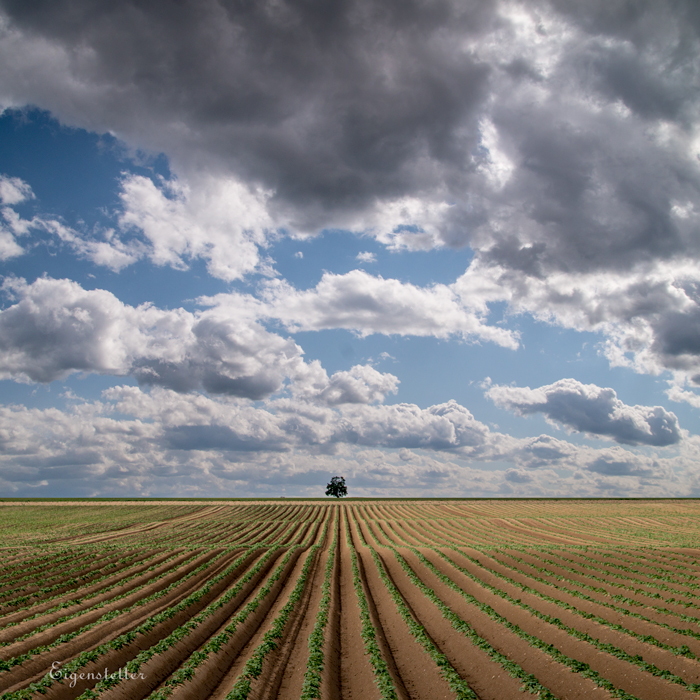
(350, 600)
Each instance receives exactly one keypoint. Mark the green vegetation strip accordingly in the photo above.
(17, 660)
(123, 640)
(92, 575)
(60, 569)
(682, 651)
(40, 571)
(644, 557)
(530, 682)
(577, 666)
(664, 574)
(104, 603)
(626, 579)
(457, 684)
(601, 646)
(271, 638)
(381, 672)
(629, 574)
(311, 689)
(577, 634)
(186, 671)
(75, 601)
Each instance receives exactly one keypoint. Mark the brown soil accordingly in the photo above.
(418, 673)
(622, 674)
(157, 671)
(347, 674)
(24, 627)
(583, 578)
(560, 680)
(687, 669)
(555, 584)
(34, 669)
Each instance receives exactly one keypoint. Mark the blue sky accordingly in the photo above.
(441, 248)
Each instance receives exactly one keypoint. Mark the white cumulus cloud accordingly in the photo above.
(591, 409)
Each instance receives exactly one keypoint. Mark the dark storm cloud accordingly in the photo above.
(678, 334)
(340, 107)
(592, 409)
(217, 437)
(555, 138)
(329, 104)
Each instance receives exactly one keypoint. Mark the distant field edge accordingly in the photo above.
(321, 499)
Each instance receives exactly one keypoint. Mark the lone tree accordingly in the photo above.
(337, 487)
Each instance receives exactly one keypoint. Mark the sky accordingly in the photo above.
(441, 248)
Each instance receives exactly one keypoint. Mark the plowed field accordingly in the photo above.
(357, 600)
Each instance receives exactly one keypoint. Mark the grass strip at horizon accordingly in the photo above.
(93, 520)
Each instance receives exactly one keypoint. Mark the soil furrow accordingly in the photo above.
(419, 676)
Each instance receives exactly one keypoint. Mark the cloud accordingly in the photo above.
(560, 143)
(591, 409)
(349, 105)
(445, 426)
(217, 219)
(298, 423)
(361, 385)
(518, 476)
(427, 124)
(546, 451)
(646, 315)
(109, 251)
(55, 327)
(160, 442)
(13, 190)
(367, 304)
(366, 257)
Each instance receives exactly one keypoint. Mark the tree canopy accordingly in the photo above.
(336, 487)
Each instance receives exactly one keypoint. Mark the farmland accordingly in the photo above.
(468, 599)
